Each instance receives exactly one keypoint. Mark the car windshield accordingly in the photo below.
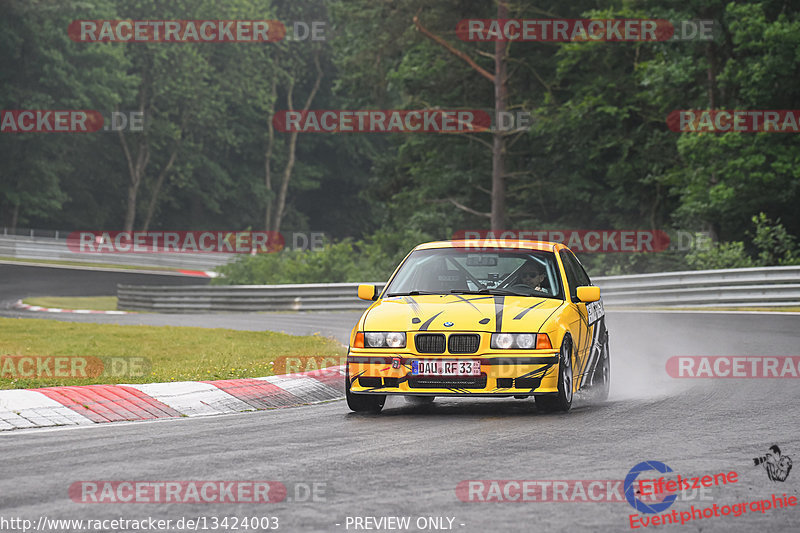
(464, 271)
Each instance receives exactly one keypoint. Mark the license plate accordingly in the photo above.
(438, 367)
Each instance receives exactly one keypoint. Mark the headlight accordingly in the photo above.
(503, 341)
(509, 341)
(526, 341)
(384, 339)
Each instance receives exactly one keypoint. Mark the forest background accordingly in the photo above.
(597, 155)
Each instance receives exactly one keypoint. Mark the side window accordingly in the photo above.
(580, 273)
(569, 270)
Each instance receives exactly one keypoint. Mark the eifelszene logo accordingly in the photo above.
(629, 486)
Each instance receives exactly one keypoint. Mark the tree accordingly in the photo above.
(41, 68)
(499, 80)
(294, 62)
(176, 88)
(725, 179)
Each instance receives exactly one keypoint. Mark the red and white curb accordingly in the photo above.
(200, 273)
(25, 307)
(94, 404)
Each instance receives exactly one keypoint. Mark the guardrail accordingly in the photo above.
(26, 247)
(737, 287)
(209, 298)
(746, 287)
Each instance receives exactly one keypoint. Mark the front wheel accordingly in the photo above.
(563, 400)
(363, 403)
(601, 380)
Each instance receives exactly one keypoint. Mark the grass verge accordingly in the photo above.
(110, 353)
(95, 303)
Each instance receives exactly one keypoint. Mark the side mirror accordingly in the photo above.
(369, 292)
(588, 294)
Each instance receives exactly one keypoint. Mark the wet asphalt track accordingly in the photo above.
(408, 460)
(23, 281)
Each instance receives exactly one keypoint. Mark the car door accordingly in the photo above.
(596, 323)
(577, 277)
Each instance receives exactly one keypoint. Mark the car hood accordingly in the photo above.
(461, 312)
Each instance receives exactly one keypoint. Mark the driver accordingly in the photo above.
(533, 275)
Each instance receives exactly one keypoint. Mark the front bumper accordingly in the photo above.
(501, 375)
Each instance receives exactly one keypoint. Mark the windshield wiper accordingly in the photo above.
(413, 293)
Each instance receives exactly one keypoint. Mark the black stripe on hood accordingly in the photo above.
(499, 300)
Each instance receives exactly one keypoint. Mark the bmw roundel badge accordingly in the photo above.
(448, 324)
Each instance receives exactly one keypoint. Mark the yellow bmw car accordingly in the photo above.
(481, 318)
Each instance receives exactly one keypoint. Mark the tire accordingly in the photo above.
(419, 400)
(563, 400)
(363, 403)
(601, 380)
